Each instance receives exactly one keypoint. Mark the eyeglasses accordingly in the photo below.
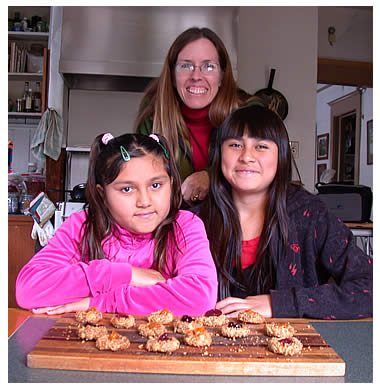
(188, 67)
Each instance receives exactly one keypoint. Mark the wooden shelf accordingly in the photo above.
(30, 36)
(33, 114)
(24, 75)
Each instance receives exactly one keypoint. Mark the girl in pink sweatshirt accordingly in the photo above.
(132, 250)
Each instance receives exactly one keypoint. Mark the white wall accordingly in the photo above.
(284, 38)
(354, 33)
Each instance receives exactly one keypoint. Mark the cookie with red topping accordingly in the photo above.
(234, 329)
(121, 321)
(214, 318)
(186, 323)
(285, 346)
(163, 344)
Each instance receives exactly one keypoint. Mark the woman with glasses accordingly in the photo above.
(195, 92)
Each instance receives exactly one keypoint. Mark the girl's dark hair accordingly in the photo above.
(221, 217)
(104, 167)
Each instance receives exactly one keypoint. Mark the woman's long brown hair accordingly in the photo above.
(161, 102)
(104, 167)
(221, 217)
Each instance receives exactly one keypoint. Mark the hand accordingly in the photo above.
(145, 277)
(197, 184)
(231, 306)
(75, 306)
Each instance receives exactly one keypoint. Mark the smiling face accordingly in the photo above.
(249, 164)
(197, 89)
(139, 198)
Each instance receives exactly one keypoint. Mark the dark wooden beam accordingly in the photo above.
(340, 72)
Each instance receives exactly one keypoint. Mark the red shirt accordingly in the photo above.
(248, 252)
(200, 127)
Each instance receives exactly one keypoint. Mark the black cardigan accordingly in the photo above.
(323, 274)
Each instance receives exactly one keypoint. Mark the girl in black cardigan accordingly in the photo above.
(277, 247)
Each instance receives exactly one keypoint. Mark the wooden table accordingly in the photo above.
(27, 330)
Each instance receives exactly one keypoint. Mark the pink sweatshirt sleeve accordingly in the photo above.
(192, 290)
(55, 276)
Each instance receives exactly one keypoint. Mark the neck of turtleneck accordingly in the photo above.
(199, 126)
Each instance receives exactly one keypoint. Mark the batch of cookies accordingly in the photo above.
(193, 330)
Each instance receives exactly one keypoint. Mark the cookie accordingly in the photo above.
(285, 346)
(235, 329)
(91, 316)
(120, 321)
(214, 318)
(163, 316)
(113, 342)
(90, 332)
(199, 337)
(163, 344)
(186, 323)
(250, 316)
(151, 330)
(279, 330)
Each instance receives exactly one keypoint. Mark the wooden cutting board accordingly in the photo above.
(61, 348)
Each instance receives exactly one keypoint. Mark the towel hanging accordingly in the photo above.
(48, 138)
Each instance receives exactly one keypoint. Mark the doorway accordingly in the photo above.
(345, 117)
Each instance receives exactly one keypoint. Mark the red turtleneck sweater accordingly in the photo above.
(199, 126)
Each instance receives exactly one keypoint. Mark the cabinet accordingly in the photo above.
(22, 125)
(23, 67)
(16, 79)
(21, 248)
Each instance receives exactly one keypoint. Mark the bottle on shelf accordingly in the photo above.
(26, 89)
(37, 98)
(28, 94)
(25, 23)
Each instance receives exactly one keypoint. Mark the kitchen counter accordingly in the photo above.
(21, 247)
(352, 340)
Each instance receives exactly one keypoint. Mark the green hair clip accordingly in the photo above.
(125, 154)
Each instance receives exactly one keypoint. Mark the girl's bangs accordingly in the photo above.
(253, 127)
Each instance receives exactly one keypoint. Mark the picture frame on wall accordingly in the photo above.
(322, 146)
(320, 169)
(370, 142)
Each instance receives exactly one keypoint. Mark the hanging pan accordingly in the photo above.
(273, 98)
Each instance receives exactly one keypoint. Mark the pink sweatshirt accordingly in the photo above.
(55, 275)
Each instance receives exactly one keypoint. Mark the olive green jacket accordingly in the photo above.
(185, 156)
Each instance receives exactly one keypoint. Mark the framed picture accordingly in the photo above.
(320, 169)
(323, 146)
(370, 142)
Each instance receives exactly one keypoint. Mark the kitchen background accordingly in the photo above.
(101, 59)
(93, 64)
